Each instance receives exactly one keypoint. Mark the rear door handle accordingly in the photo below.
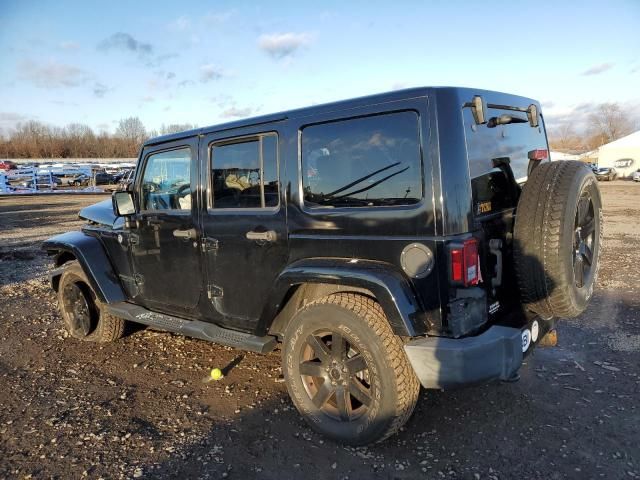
(190, 234)
(268, 236)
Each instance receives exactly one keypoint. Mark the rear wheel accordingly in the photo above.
(346, 371)
(557, 237)
(82, 312)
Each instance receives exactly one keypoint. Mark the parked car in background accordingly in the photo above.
(126, 179)
(636, 176)
(79, 180)
(606, 173)
(7, 165)
(101, 178)
(42, 181)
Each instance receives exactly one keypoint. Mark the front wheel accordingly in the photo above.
(82, 312)
(346, 371)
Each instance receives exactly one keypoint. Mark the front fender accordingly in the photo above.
(94, 262)
(390, 287)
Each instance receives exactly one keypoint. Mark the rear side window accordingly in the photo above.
(244, 173)
(496, 153)
(362, 162)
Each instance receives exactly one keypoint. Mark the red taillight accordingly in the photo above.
(538, 154)
(457, 264)
(464, 263)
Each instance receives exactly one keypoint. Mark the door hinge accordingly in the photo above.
(133, 239)
(139, 279)
(207, 244)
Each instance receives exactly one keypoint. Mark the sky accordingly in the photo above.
(210, 61)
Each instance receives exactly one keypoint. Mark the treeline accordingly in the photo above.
(38, 140)
(606, 122)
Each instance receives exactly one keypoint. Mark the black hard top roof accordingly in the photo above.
(333, 106)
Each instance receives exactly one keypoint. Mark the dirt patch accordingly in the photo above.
(141, 407)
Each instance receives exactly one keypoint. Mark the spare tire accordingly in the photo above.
(557, 238)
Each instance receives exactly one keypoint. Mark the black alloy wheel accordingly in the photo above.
(584, 228)
(335, 375)
(79, 314)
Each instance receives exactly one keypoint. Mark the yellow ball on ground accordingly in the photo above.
(216, 373)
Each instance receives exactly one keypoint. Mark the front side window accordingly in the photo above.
(244, 173)
(361, 162)
(166, 184)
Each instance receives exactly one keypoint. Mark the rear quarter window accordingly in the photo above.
(490, 150)
(362, 162)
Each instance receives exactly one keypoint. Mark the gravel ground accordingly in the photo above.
(140, 408)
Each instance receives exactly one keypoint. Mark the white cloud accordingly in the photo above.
(52, 74)
(8, 120)
(597, 69)
(235, 112)
(68, 45)
(210, 72)
(124, 41)
(281, 45)
(100, 90)
(180, 24)
(219, 17)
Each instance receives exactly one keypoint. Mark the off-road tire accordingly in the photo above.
(103, 326)
(544, 236)
(394, 386)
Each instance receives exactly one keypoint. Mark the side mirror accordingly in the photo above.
(123, 204)
(479, 109)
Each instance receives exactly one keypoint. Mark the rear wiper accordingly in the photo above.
(505, 120)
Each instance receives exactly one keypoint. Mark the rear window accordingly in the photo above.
(362, 162)
(496, 152)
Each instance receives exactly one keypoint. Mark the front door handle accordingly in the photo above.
(190, 234)
(268, 236)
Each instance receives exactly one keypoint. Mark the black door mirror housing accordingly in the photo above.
(123, 205)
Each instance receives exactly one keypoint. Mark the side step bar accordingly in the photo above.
(192, 328)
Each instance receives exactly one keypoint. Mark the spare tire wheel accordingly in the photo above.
(557, 237)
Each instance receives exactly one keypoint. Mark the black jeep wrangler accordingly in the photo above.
(415, 237)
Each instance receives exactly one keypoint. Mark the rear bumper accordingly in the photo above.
(447, 362)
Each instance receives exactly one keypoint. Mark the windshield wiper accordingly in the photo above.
(368, 187)
(361, 179)
(505, 120)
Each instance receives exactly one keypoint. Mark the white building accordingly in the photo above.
(622, 154)
(556, 156)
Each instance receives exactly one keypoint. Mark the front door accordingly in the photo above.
(244, 228)
(164, 249)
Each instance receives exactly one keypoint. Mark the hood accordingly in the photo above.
(101, 212)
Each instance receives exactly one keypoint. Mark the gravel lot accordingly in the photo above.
(139, 408)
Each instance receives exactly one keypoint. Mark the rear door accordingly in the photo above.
(501, 153)
(243, 224)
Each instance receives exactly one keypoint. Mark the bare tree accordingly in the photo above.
(608, 123)
(176, 128)
(131, 129)
(564, 138)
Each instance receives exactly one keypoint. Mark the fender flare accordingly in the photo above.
(93, 259)
(390, 287)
